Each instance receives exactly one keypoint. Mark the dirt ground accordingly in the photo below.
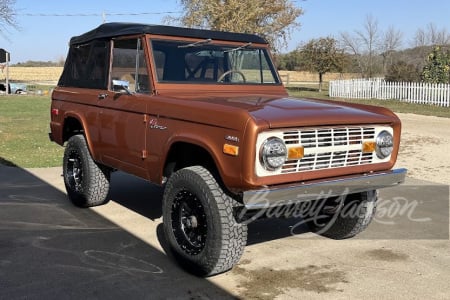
(425, 152)
(425, 147)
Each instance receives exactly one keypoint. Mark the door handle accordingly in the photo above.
(102, 96)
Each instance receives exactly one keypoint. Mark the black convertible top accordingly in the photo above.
(110, 30)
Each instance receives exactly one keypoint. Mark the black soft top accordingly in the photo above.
(110, 30)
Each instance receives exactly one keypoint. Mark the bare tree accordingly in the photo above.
(420, 38)
(437, 36)
(364, 45)
(392, 39)
(351, 45)
(431, 36)
(369, 37)
(7, 16)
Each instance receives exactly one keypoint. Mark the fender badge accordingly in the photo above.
(153, 124)
(232, 138)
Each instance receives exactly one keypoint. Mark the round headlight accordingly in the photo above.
(273, 153)
(385, 144)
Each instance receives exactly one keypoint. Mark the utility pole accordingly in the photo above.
(7, 73)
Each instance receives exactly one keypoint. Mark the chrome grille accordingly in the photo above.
(328, 148)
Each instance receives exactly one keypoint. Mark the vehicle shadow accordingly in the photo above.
(401, 213)
(146, 199)
(137, 194)
(50, 249)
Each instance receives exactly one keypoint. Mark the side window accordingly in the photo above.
(253, 64)
(86, 66)
(129, 68)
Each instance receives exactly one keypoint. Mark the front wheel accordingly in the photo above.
(345, 216)
(199, 223)
(87, 183)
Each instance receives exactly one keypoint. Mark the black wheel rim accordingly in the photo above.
(189, 222)
(75, 171)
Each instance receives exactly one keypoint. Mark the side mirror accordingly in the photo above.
(121, 86)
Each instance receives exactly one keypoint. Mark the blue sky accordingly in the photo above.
(46, 37)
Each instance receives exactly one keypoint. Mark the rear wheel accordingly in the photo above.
(199, 223)
(87, 183)
(345, 216)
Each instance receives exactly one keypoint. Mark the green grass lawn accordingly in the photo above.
(24, 127)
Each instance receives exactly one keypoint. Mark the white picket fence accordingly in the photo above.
(378, 88)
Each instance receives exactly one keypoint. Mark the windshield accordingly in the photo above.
(204, 62)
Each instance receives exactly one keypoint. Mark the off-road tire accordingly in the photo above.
(350, 218)
(87, 183)
(199, 223)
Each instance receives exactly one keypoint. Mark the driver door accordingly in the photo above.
(124, 108)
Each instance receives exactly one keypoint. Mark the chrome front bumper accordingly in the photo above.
(320, 189)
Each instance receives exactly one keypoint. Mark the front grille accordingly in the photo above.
(328, 148)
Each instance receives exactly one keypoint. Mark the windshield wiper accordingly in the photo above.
(239, 48)
(196, 44)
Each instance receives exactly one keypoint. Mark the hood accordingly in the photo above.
(288, 112)
(282, 112)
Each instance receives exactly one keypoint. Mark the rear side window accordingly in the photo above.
(87, 66)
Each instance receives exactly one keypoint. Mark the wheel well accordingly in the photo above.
(182, 155)
(71, 127)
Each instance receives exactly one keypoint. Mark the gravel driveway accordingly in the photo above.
(425, 147)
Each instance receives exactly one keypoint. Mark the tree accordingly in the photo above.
(402, 72)
(272, 19)
(437, 68)
(391, 41)
(369, 38)
(323, 55)
(7, 16)
(363, 44)
(431, 36)
(289, 61)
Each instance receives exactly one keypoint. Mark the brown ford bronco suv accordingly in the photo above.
(204, 113)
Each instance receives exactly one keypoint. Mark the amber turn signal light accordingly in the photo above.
(296, 153)
(368, 146)
(231, 149)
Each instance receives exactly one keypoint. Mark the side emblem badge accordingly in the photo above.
(153, 124)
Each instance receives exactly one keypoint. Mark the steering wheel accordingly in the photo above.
(229, 72)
